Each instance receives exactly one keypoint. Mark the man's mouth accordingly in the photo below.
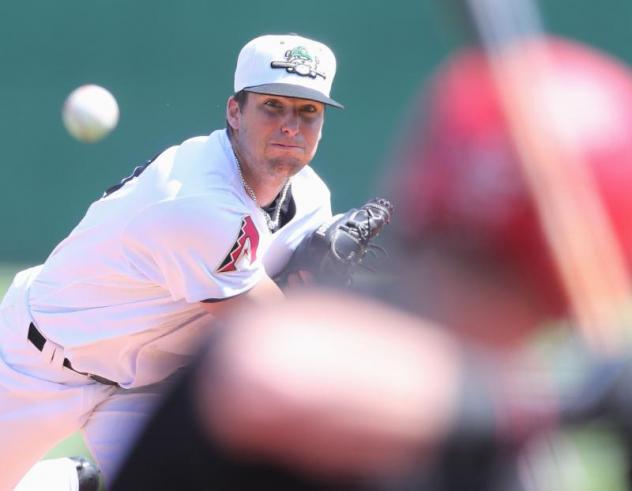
(287, 146)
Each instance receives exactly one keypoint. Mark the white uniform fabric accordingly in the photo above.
(120, 297)
(58, 474)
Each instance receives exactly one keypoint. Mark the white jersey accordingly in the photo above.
(121, 293)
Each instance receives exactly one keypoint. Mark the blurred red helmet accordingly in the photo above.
(461, 181)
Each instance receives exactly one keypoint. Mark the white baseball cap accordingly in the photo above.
(287, 65)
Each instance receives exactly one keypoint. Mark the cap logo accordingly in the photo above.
(298, 60)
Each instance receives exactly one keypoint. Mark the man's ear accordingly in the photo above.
(233, 113)
(320, 133)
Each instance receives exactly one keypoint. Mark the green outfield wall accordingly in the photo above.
(170, 65)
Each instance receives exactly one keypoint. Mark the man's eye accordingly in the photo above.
(274, 104)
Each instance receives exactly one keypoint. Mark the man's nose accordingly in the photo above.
(291, 124)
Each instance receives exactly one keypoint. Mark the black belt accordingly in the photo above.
(38, 340)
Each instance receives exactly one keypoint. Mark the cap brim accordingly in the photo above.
(290, 90)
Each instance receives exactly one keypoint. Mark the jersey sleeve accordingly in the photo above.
(195, 248)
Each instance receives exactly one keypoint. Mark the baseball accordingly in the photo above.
(90, 113)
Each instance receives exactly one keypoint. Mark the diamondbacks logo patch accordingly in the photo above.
(244, 249)
(300, 61)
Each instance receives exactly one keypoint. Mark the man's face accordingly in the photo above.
(274, 134)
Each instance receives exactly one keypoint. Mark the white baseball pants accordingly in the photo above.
(42, 402)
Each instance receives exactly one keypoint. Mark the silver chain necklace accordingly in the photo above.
(272, 223)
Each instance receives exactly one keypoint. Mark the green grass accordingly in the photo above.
(74, 444)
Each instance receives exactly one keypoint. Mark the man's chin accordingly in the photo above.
(287, 166)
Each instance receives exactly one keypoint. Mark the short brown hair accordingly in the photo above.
(241, 97)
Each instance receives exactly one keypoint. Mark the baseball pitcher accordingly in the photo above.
(89, 339)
